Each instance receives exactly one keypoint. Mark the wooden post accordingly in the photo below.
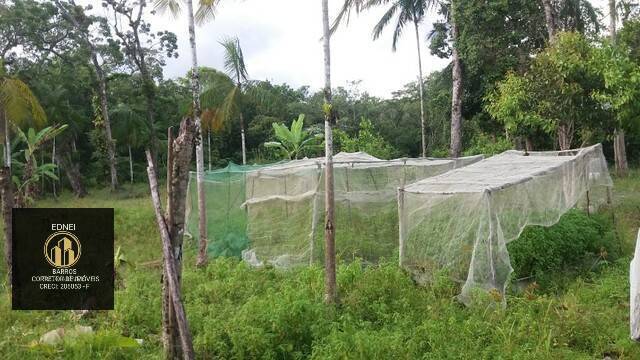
(401, 226)
(588, 204)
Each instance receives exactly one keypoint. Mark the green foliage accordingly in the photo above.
(367, 140)
(578, 244)
(239, 312)
(487, 145)
(556, 91)
(295, 141)
(19, 104)
(621, 77)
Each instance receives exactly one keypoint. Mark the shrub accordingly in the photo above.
(575, 245)
(487, 145)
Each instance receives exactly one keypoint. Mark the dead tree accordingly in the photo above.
(176, 335)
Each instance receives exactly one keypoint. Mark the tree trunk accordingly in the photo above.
(564, 136)
(242, 137)
(74, 176)
(549, 17)
(176, 334)
(7, 142)
(111, 151)
(331, 293)
(456, 93)
(130, 165)
(423, 125)
(53, 161)
(528, 144)
(619, 146)
(612, 20)
(102, 87)
(209, 147)
(620, 153)
(6, 193)
(28, 194)
(195, 90)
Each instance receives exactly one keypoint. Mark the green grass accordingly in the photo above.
(239, 312)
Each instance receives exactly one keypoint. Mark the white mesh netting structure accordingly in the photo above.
(461, 221)
(285, 207)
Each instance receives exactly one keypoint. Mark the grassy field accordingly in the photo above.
(238, 312)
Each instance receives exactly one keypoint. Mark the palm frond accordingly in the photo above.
(345, 13)
(384, 21)
(228, 108)
(234, 59)
(171, 6)
(20, 104)
(206, 11)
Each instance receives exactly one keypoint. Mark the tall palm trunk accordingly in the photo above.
(549, 18)
(7, 142)
(53, 161)
(619, 147)
(331, 293)
(242, 137)
(195, 90)
(6, 194)
(130, 165)
(456, 92)
(423, 125)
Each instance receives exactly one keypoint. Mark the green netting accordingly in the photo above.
(226, 219)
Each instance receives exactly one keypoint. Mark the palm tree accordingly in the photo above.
(330, 293)
(205, 12)
(293, 142)
(406, 12)
(130, 127)
(18, 107)
(235, 68)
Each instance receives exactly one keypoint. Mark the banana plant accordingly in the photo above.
(32, 172)
(295, 141)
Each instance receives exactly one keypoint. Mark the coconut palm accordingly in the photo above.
(406, 13)
(18, 107)
(330, 292)
(236, 69)
(204, 13)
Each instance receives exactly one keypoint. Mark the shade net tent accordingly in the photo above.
(285, 207)
(226, 219)
(461, 221)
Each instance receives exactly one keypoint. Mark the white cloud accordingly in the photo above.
(281, 42)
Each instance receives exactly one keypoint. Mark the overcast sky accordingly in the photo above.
(281, 43)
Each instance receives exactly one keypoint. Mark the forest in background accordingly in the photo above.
(516, 91)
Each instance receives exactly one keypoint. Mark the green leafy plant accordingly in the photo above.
(295, 141)
(31, 171)
(368, 140)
